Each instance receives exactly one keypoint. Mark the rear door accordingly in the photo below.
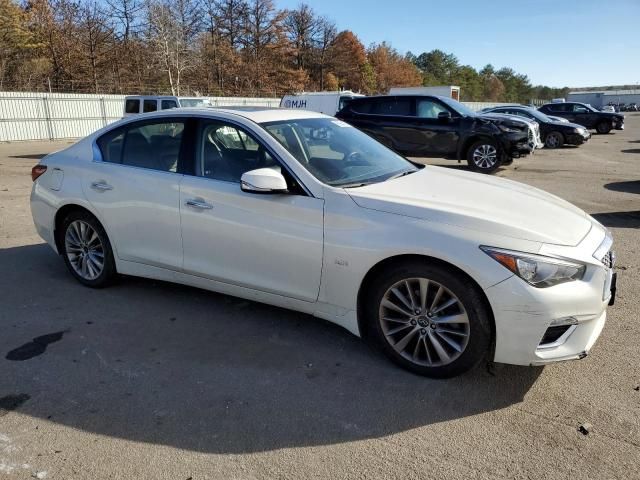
(134, 185)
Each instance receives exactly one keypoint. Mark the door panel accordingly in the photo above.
(271, 243)
(141, 212)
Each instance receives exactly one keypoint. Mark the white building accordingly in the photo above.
(600, 98)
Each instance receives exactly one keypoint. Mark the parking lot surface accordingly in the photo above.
(153, 380)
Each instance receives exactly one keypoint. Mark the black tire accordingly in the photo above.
(554, 140)
(604, 127)
(108, 273)
(479, 323)
(478, 166)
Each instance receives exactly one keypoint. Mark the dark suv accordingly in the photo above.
(585, 115)
(425, 126)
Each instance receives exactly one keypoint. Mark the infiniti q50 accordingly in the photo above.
(303, 211)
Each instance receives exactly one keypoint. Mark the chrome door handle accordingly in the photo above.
(101, 186)
(199, 204)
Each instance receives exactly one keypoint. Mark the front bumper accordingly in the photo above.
(578, 139)
(516, 144)
(524, 314)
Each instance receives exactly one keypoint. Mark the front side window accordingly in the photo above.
(426, 108)
(149, 106)
(580, 108)
(336, 153)
(132, 105)
(225, 152)
(145, 145)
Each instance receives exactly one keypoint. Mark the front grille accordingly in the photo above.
(609, 260)
(553, 334)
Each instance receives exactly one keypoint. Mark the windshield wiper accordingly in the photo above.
(402, 174)
(354, 185)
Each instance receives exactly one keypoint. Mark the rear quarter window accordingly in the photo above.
(149, 106)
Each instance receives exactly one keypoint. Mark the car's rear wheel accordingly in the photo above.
(428, 319)
(484, 156)
(554, 140)
(604, 127)
(87, 251)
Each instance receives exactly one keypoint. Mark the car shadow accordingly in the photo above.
(619, 219)
(631, 150)
(632, 186)
(165, 364)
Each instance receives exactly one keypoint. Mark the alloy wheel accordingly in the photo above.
(485, 156)
(553, 140)
(424, 322)
(84, 250)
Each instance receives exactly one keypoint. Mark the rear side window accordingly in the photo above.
(132, 106)
(155, 146)
(110, 145)
(361, 106)
(559, 107)
(167, 104)
(392, 106)
(149, 106)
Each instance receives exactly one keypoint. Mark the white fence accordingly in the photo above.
(51, 116)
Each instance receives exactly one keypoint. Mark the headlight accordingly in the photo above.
(507, 129)
(537, 270)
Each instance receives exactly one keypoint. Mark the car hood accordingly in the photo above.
(503, 118)
(478, 202)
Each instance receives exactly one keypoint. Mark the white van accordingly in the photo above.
(135, 104)
(328, 103)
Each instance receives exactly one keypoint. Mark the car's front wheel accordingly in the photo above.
(484, 156)
(554, 140)
(86, 250)
(604, 127)
(428, 319)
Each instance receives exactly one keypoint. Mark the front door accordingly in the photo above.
(267, 242)
(438, 137)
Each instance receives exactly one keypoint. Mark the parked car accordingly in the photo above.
(135, 104)
(585, 115)
(328, 103)
(417, 125)
(438, 268)
(554, 134)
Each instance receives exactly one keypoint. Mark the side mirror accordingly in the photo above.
(444, 117)
(263, 180)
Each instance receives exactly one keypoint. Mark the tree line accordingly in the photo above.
(218, 47)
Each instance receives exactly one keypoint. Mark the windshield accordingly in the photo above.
(458, 107)
(336, 153)
(590, 107)
(194, 102)
(538, 115)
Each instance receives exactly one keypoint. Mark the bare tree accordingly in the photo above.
(95, 36)
(173, 26)
(303, 27)
(326, 35)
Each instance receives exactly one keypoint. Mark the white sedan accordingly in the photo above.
(438, 268)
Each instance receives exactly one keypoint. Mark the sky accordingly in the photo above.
(558, 43)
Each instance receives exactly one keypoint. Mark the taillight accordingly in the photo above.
(37, 171)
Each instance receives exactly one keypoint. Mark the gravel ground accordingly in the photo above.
(153, 380)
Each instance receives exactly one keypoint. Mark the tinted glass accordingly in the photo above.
(153, 145)
(110, 145)
(426, 108)
(132, 106)
(559, 107)
(336, 153)
(361, 106)
(577, 108)
(392, 106)
(149, 106)
(167, 104)
(225, 152)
